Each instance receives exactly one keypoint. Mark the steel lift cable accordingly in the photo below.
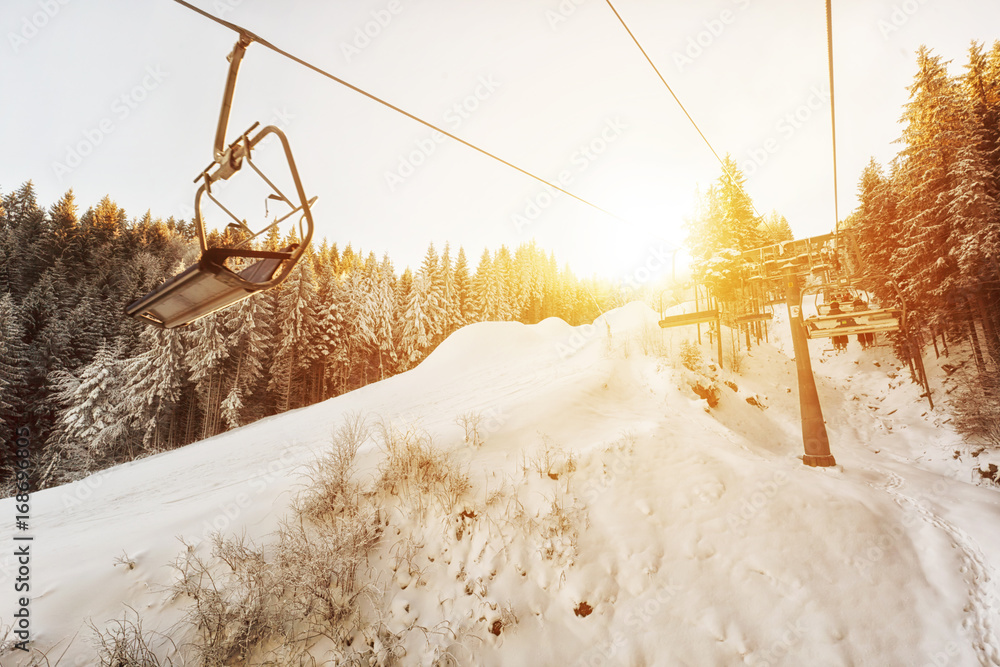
(263, 42)
(833, 111)
(681, 105)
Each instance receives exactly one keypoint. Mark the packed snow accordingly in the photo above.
(651, 529)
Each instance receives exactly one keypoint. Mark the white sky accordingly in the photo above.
(553, 88)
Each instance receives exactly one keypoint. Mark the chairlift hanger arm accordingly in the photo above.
(235, 58)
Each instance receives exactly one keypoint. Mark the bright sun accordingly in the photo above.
(645, 247)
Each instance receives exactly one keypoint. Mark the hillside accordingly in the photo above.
(612, 517)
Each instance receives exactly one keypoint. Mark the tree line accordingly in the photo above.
(928, 223)
(930, 219)
(97, 388)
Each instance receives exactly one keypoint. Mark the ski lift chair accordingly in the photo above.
(210, 285)
(872, 319)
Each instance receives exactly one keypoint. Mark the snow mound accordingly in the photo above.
(629, 318)
(485, 342)
(613, 517)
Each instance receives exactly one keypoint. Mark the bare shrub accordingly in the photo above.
(559, 531)
(124, 644)
(415, 470)
(233, 594)
(9, 646)
(332, 490)
(318, 564)
(691, 355)
(271, 609)
(651, 340)
(550, 461)
(737, 358)
(311, 596)
(125, 560)
(470, 422)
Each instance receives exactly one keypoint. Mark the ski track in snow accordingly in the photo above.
(976, 570)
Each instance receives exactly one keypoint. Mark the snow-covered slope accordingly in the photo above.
(694, 534)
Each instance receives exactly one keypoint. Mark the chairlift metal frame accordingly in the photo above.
(210, 285)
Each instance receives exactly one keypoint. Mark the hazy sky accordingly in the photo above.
(122, 97)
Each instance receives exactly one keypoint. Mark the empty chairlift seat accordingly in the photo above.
(208, 286)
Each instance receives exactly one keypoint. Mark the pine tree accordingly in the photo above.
(423, 309)
(103, 223)
(503, 277)
(417, 323)
(529, 266)
(83, 321)
(452, 310)
(464, 309)
(982, 87)
(28, 233)
(155, 380)
(94, 424)
(14, 368)
(206, 352)
(431, 267)
(484, 297)
(932, 136)
(434, 270)
(777, 229)
(296, 319)
(65, 223)
(333, 334)
(247, 341)
(876, 222)
(383, 305)
(974, 216)
(726, 217)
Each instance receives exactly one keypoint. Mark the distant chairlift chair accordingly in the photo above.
(850, 320)
(210, 285)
